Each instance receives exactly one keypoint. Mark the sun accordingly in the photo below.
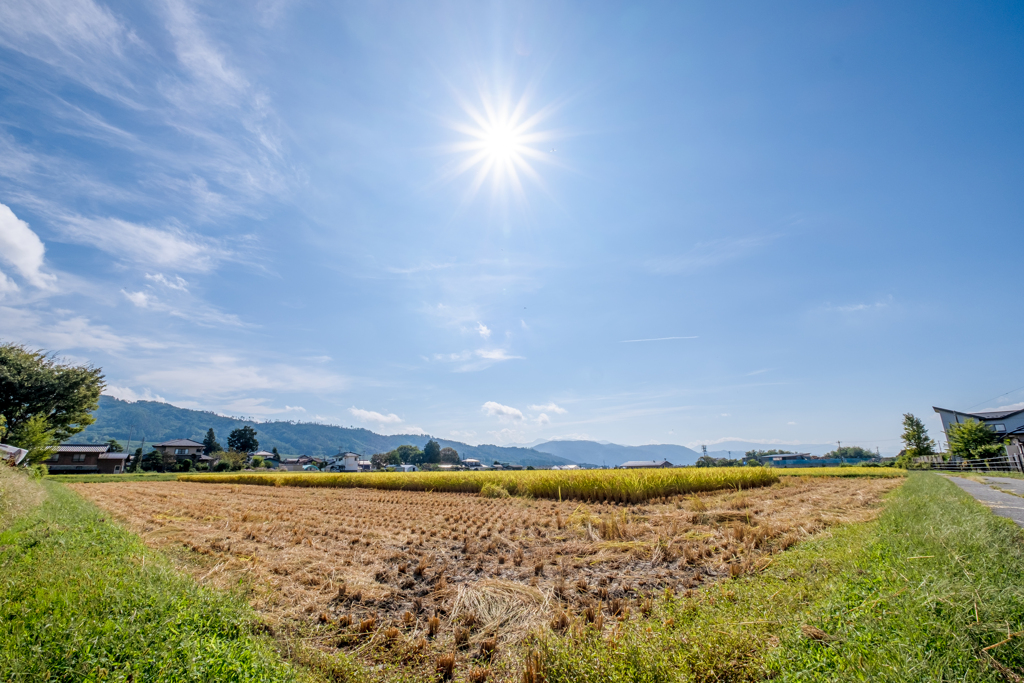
(502, 143)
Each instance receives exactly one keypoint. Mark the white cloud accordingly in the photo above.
(791, 423)
(479, 359)
(169, 247)
(543, 419)
(507, 435)
(462, 435)
(215, 378)
(130, 395)
(256, 407)
(23, 250)
(484, 331)
(550, 408)
(178, 283)
(495, 354)
(502, 412)
(374, 416)
(140, 299)
(62, 330)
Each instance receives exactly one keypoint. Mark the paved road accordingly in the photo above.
(1002, 504)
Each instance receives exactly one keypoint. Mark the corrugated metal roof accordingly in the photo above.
(646, 463)
(178, 442)
(82, 448)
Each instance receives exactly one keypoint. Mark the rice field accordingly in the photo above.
(879, 472)
(458, 572)
(595, 486)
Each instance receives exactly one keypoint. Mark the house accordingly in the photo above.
(182, 449)
(567, 467)
(303, 462)
(85, 458)
(343, 462)
(645, 464)
(1008, 425)
(471, 463)
(12, 455)
(364, 465)
(263, 454)
(409, 468)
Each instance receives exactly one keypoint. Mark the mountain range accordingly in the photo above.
(156, 422)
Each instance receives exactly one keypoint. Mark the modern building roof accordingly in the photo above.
(180, 443)
(991, 415)
(646, 463)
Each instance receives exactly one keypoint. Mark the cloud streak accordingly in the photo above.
(654, 339)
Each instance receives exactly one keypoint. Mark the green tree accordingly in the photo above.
(115, 446)
(852, 453)
(758, 453)
(915, 437)
(243, 440)
(257, 461)
(36, 436)
(210, 444)
(409, 455)
(232, 459)
(450, 456)
(37, 383)
(274, 451)
(432, 452)
(972, 439)
(3, 428)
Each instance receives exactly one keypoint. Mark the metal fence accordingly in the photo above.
(998, 464)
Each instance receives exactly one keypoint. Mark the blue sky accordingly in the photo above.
(787, 223)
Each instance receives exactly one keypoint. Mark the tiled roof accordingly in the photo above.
(181, 443)
(82, 448)
(646, 463)
(113, 456)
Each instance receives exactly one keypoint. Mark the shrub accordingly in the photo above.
(222, 466)
(185, 465)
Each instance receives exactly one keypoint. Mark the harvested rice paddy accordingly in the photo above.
(456, 572)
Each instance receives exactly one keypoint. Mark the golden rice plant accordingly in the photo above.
(883, 472)
(608, 486)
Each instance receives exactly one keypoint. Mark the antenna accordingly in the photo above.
(705, 450)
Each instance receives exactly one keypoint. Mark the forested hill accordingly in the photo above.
(158, 422)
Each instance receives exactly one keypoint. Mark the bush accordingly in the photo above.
(222, 466)
(492, 491)
(202, 467)
(185, 466)
(38, 470)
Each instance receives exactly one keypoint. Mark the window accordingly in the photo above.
(999, 428)
(78, 457)
(181, 451)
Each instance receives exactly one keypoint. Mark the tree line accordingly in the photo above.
(432, 454)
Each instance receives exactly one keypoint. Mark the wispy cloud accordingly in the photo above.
(130, 395)
(374, 416)
(654, 339)
(169, 246)
(708, 254)
(502, 412)
(484, 331)
(480, 359)
(550, 408)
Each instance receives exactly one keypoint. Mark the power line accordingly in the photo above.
(995, 397)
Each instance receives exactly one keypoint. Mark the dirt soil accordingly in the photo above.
(503, 565)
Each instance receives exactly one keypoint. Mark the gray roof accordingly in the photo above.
(646, 463)
(992, 415)
(181, 443)
(113, 456)
(82, 448)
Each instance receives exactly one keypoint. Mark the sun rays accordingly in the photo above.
(502, 144)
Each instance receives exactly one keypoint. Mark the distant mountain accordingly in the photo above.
(612, 454)
(738, 448)
(158, 422)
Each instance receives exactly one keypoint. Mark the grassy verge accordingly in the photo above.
(887, 472)
(83, 600)
(914, 596)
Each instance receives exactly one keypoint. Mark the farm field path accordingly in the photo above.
(1002, 504)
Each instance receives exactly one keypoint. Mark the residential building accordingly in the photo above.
(1008, 425)
(303, 462)
(182, 449)
(645, 464)
(408, 468)
(79, 458)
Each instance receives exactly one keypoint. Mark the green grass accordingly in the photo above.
(914, 596)
(622, 486)
(83, 600)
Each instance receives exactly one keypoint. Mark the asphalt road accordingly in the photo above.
(1002, 504)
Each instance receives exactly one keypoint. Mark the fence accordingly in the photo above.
(1000, 463)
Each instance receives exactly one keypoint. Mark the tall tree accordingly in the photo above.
(210, 444)
(115, 445)
(37, 383)
(243, 440)
(450, 455)
(409, 454)
(432, 452)
(915, 437)
(972, 439)
(37, 438)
